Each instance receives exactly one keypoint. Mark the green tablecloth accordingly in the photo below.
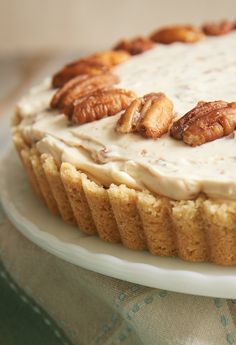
(22, 320)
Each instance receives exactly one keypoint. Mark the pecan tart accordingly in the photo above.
(137, 144)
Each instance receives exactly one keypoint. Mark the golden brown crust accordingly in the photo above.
(72, 182)
(27, 162)
(177, 33)
(103, 216)
(42, 181)
(124, 205)
(53, 177)
(190, 231)
(156, 215)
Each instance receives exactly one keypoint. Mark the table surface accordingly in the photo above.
(21, 320)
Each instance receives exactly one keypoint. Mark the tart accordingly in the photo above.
(137, 144)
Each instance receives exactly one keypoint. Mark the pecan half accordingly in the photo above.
(217, 29)
(150, 116)
(92, 65)
(129, 120)
(177, 33)
(76, 68)
(135, 46)
(101, 104)
(206, 122)
(110, 58)
(214, 125)
(81, 86)
(178, 127)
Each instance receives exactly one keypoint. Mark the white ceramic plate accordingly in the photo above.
(36, 223)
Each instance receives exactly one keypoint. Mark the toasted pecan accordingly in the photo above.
(214, 125)
(178, 127)
(101, 104)
(150, 116)
(158, 117)
(110, 57)
(95, 64)
(77, 68)
(57, 99)
(217, 29)
(177, 33)
(135, 46)
(82, 86)
(129, 120)
(206, 122)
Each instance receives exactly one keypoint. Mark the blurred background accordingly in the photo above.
(42, 26)
(37, 36)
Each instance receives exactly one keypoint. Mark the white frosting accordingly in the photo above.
(187, 74)
(37, 100)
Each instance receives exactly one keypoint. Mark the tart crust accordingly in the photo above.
(197, 230)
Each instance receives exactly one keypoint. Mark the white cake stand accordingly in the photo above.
(50, 233)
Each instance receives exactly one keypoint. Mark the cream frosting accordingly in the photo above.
(186, 73)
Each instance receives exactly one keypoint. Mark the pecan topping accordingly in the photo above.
(206, 122)
(92, 65)
(76, 68)
(178, 33)
(202, 108)
(110, 58)
(135, 46)
(101, 104)
(150, 116)
(217, 29)
(81, 86)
